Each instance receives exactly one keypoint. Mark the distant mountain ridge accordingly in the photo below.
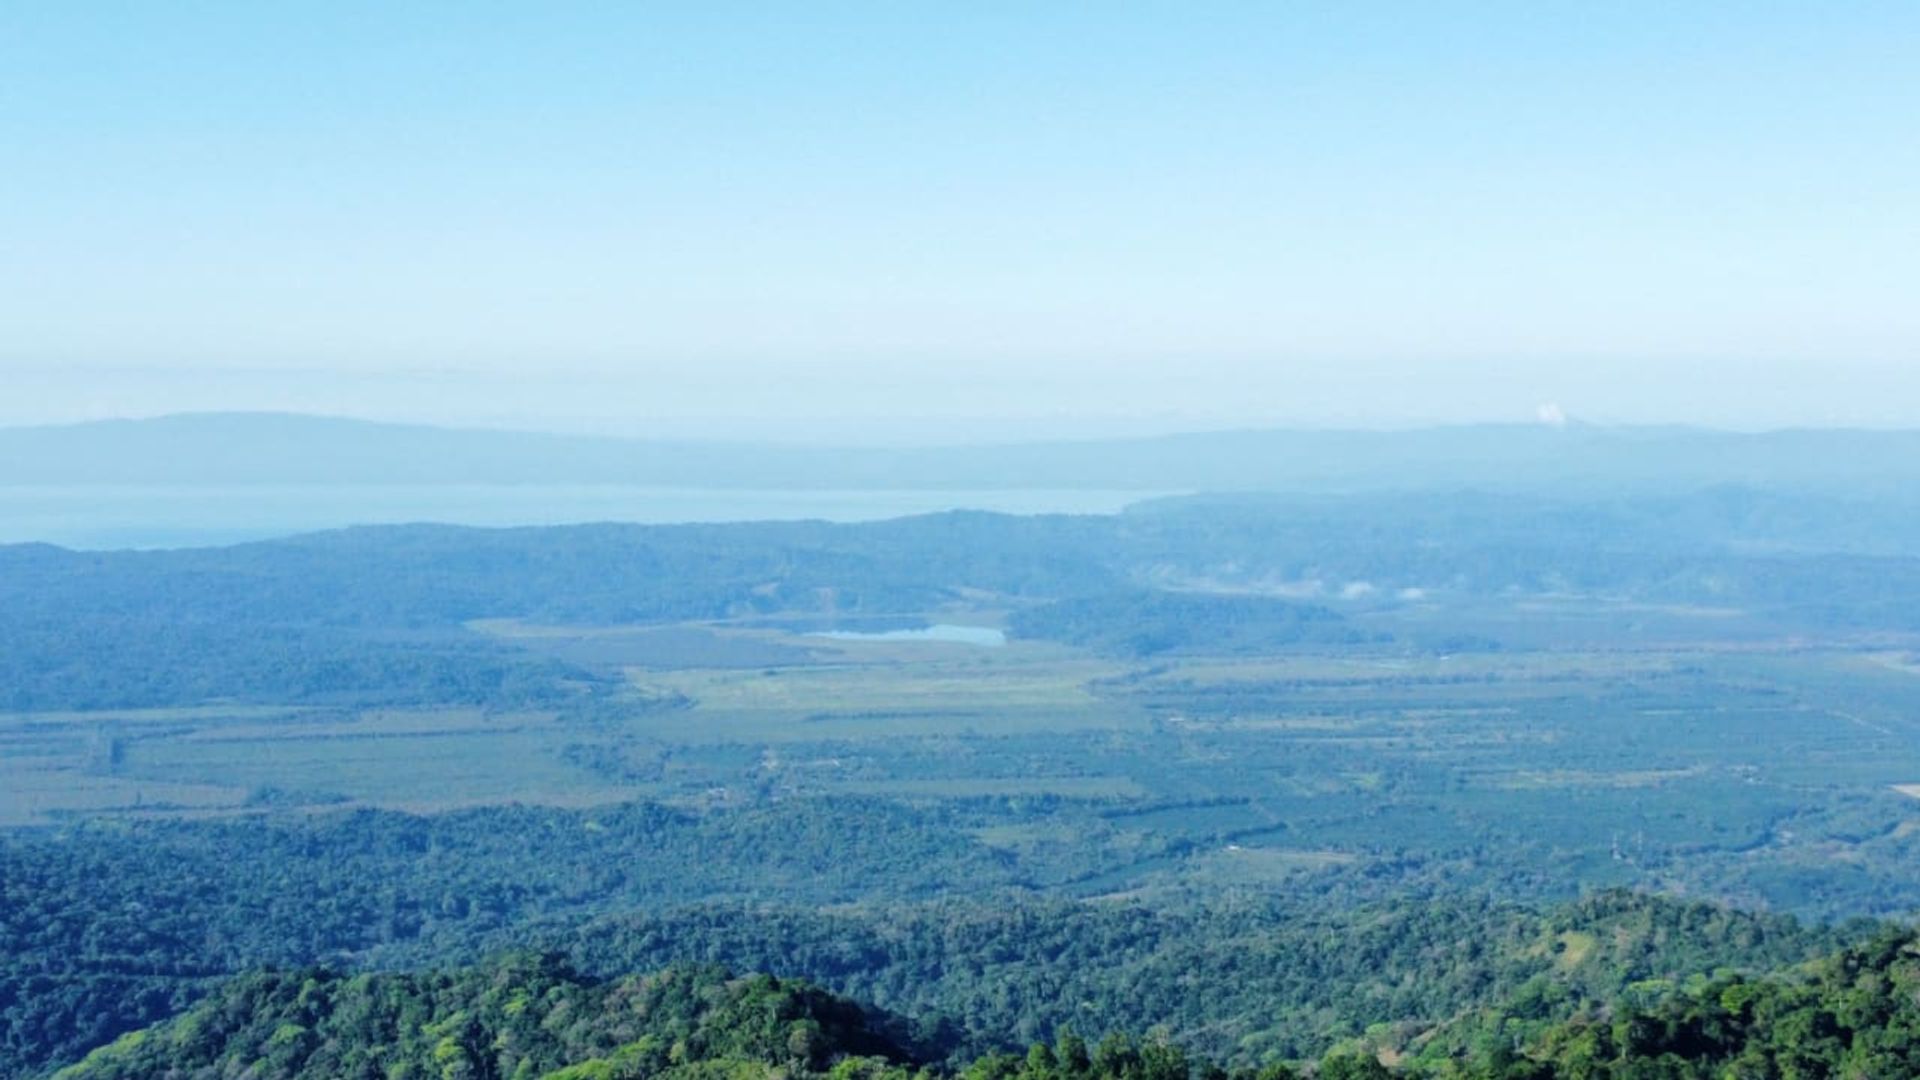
(295, 449)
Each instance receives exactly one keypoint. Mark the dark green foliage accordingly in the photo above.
(1240, 983)
(1853, 1014)
(115, 661)
(527, 1017)
(1116, 1057)
(106, 927)
(1147, 623)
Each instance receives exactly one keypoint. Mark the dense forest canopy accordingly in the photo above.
(109, 927)
(1852, 1014)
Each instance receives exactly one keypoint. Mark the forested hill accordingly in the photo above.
(1853, 1014)
(382, 614)
(526, 1017)
(1239, 983)
(92, 946)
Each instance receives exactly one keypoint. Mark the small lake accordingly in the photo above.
(947, 633)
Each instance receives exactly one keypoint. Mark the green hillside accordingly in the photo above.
(527, 1017)
(1855, 1013)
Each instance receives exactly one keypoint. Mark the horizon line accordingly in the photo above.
(1559, 423)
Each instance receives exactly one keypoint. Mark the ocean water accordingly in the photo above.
(177, 516)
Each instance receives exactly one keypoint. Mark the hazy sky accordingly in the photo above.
(913, 220)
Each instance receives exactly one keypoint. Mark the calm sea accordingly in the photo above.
(161, 516)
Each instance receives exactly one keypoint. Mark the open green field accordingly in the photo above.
(1751, 772)
(936, 695)
(210, 760)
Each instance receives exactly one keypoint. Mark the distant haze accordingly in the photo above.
(207, 478)
(894, 223)
(1551, 454)
(957, 401)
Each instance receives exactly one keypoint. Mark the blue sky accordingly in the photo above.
(893, 219)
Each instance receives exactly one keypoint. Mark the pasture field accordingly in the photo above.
(1758, 775)
(211, 761)
(937, 691)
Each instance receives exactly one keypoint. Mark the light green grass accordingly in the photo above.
(970, 695)
(399, 770)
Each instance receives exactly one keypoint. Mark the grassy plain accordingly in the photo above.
(1761, 771)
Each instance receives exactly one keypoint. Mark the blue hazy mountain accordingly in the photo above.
(286, 449)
